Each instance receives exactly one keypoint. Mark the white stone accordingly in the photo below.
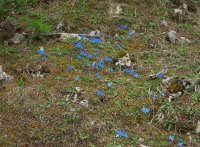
(198, 127)
(172, 36)
(178, 12)
(67, 36)
(164, 23)
(4, 75)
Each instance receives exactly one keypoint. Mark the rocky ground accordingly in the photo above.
(100, 73)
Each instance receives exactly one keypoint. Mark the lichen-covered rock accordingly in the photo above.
(18, 38)
(172, 36)
(4, 75)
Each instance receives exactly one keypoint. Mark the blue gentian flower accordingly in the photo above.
(78, 45)
(110, 69)
(97, 35)
(108, 59)
(124, 26)
(110, 84)
(41, 52)
(131, 34)
(88, 65)
(69, 68)
(132, 72)
(96, 50)
(136, 75)
(86, 71)
(99, 93)
(98, 75)
(95, 54)
(77, 79)
(96, 66)
(84, 38)
(79, 57)
(153, 97)
(82, 53)
(89, 56)
(118, 46)
(163, 94)
(95, 41)
(160, 75)
(44, 57)
(145, 110)
(128, 70)
(171, 138)
(101, 64)
(180, 144)
(122, 134)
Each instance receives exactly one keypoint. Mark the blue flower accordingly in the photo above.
(118, 46)
(110, 69)
(96, 41)
(84, 38)
(77, 79)
(41, 52)
(97, 50)
(122, 134)
(98, 75)
(180, 144)
(96, 66)
(99, 93)
(136, 75)
(88, 64)
(44, 57)
(78, 45)
(160, 75)
(132, 72)
(124, 26)
(79, 57)
(110, 84)
(95, 54)
(108, 59)
(101, 64)
(86, 71)
(171, 138)
(131, 34)
(128, 70)
(97, 35)
(69, 68)
(163, 94)
(145, 110)
(153, 97)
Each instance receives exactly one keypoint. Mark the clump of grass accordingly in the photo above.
(34, 25)
(7, 51)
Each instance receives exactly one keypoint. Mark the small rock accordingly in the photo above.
(143, 145)
(115, 9)
(172, 36)
(4, 75)
(18, 38)
(164, 23)
(64, 37)
(178, 12)
(140, 140)
(84, 103)
(94, 33)
(78, 89)
(198, 128)
(185, 7)
(124, 61)
(183, 40)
